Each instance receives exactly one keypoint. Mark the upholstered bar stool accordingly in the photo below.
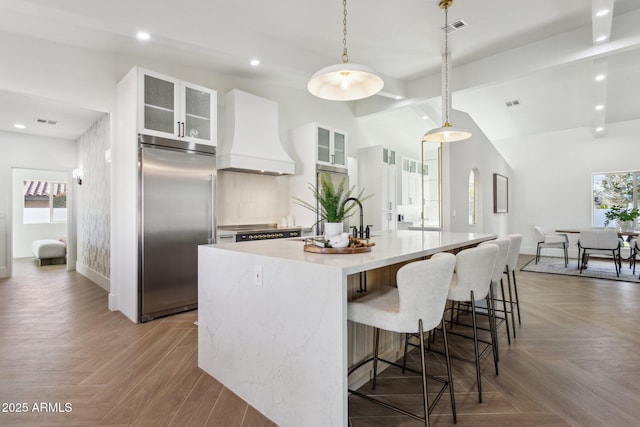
(415, 306)
(496, 279)
(471, 283)
(510, 271)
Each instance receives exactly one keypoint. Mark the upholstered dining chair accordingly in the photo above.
(601, 242)
(416, 305)
(552, 240)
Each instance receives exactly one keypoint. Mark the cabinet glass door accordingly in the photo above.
(339, 149)
(324, 146)
(159, 105)
(197, 114)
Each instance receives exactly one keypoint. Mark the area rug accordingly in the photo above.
(598, 269)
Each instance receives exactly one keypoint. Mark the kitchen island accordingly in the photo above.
(273, 318)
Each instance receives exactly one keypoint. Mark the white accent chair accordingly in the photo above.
(552, 240)
(471, 283)
(415, 306)
(601, 242)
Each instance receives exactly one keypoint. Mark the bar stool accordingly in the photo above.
(471, 283)
(510, 271)
(415, 306)
(496, 278)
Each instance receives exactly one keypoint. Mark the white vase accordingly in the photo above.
(332, 229)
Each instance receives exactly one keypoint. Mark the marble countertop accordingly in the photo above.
(390, 247)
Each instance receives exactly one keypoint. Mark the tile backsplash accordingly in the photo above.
(246, 198)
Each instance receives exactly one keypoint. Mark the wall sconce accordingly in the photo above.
(77, 175)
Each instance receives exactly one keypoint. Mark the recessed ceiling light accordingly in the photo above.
(255, 62)
(600, 77)
(19, 126)
(599, 107)
(599, 129)
(425, 117)
(602, 12)
(143, 35)
(398, 97)
(601, 39)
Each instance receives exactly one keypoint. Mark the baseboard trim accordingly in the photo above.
(113, 302)
(94, 276)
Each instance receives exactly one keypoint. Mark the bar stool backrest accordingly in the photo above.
(474, 271)
(422, 290)
(501, 259)
(514, 251)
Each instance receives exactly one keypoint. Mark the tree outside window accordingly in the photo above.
(613, 189)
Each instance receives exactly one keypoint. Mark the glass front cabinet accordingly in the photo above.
(331, 147)
(173, 108)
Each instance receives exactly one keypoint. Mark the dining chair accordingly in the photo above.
(552, 240)
(416, 305)
(601, 242)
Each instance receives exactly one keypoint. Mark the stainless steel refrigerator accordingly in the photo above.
(176, 207)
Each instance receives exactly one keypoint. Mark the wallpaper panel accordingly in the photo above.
(93, 198)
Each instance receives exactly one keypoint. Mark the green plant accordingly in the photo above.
(621, 214)
(332, 200)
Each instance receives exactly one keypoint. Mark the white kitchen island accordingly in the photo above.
(273, 319)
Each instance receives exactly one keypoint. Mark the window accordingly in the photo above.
(613, 189)
(44, 202)
(472, 198)
(431, 185)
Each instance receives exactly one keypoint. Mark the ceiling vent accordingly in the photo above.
(513, 103)
(46, 122)
(455, 26)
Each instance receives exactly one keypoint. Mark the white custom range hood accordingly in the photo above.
(252, 141)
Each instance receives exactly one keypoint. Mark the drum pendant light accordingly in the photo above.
(345, 81)
(446, 133)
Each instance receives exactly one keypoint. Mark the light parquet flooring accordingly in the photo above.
(60, 346)
(575, 362)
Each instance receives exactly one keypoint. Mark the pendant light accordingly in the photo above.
(344, 82)
(446, 133)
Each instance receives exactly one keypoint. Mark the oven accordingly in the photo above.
(255, 232)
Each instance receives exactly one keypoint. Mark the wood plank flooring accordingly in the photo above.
(575, 362)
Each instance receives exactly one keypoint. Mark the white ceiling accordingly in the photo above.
(538, 52)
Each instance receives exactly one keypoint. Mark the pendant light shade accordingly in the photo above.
(345, 81)
(446, 133)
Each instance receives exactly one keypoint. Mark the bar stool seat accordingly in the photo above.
(415, 306)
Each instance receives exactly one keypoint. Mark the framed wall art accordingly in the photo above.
(500, 193)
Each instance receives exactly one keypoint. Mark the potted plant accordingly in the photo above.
(332, 206)
(625, 218)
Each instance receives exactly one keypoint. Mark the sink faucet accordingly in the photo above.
(361, 229)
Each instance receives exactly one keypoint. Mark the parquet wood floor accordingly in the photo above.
(575, 362)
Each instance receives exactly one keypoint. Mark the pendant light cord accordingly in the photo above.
(345, 56)
(446, 65)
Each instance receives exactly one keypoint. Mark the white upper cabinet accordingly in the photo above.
(331, 147)
(410, 186)
(173, 108)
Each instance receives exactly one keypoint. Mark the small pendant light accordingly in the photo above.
(446, 133)
(345, 81)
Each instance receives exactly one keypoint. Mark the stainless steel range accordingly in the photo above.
(253, 232)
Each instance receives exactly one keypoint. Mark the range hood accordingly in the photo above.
(252, 141)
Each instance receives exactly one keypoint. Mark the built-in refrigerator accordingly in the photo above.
(176, 213)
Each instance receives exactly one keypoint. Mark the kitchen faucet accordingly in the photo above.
(353, 199)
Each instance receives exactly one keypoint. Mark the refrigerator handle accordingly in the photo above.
(212, 206)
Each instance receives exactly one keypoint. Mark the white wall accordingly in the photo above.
(459, 158)
(26, 152)
(552, 175)
(25, 234)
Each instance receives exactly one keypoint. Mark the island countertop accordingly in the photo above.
(390, 247)
(272, 319)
